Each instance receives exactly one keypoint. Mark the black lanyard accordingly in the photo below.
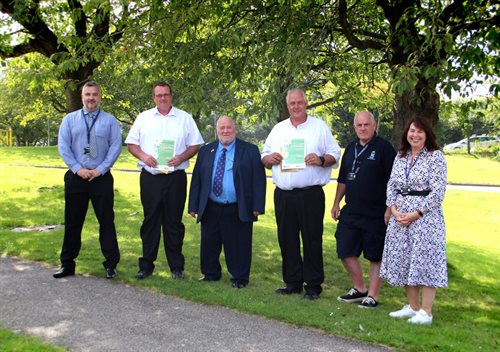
(356, 155)
(87, 124)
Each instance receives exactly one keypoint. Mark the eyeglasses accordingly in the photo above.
(163, 95)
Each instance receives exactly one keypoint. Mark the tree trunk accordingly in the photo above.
(284, 83)
(197, 118)
(73, 98)
(74, 83)
(422, 101)
(283, 110)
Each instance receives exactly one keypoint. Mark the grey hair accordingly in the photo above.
(92, 84)
(225, 117)
(366, 112)
(296, 90)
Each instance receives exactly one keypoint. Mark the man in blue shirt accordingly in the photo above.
(228, 192)
(89, 143)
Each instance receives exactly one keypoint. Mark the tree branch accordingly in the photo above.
(321, 103)
(475, 25)
(455, 9)
(122, 23)
(45, 41)
(349, 33)
(101, 27)
(80, 18)
(16, 50)
(55, 102)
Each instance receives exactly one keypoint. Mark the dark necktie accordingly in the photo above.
(219, 173)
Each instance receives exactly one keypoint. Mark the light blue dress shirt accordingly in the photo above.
(228, 191)
(73, 140)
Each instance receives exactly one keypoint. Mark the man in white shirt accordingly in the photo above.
(299, 199)
(163, 139)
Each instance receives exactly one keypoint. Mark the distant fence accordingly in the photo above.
(6, 137)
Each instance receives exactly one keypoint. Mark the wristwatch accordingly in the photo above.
(322, 158)
(420, 212)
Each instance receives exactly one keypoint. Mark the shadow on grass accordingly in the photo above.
(473, 285)
(25, 207)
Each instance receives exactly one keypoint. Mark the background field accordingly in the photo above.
(467, 314)
(462, 168)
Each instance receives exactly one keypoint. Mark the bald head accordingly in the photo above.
(365, 126)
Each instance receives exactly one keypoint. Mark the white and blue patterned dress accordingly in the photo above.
(415, 255)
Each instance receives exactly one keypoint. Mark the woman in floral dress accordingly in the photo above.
(415, 244)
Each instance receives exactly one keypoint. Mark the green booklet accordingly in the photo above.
(293, 152)
(164, 150)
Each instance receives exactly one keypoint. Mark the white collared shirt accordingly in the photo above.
(319, 140)
(150, 127)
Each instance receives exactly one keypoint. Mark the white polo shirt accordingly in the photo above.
(319, 140)
(150, 127)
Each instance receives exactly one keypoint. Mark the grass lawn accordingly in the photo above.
(467, 314)
(462, 168)
(10, 341)
(471, 169)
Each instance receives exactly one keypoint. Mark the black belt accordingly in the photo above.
(411, 192)
(299, 189)
(161, 173)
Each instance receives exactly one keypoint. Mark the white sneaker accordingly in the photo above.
(405, 312)
(421, 318)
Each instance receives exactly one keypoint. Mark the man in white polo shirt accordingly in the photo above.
(163, 139)
(299, 199)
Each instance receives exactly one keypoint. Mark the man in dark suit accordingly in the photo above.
(228, 191)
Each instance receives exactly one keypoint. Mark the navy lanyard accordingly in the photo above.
(356, 155)
(87, 124)
(407, 170)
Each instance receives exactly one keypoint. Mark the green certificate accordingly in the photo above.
(164, 150)
(293, 152)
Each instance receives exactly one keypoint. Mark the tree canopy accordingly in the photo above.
(266, 47)
(239, 57)
(75, 36)
(27, 107)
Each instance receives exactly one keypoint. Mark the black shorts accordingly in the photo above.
(356, 234)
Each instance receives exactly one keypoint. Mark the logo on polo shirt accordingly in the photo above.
(372, 155)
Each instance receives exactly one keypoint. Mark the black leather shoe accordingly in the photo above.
(311, 296)
(204, 278)
(142, 274)
(288, 290)
(238, 285)
(63, 272)
(111, 273)
(178, 275)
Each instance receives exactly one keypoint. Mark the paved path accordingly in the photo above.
(476, 188)
(93, 314)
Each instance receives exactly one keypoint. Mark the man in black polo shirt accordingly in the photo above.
(364, 172)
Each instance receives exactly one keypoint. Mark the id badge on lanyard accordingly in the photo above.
(355, 164)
